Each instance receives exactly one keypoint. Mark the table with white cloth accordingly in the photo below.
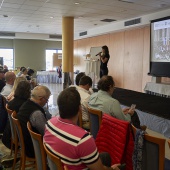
(158, 89)
(92, 69)
(153, 111)
(48, 77)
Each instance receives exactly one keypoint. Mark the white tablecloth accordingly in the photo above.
(153, 122)
(92, 66)
(158, 89)
(48, 77)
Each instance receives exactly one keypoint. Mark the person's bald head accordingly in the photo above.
(10, 77)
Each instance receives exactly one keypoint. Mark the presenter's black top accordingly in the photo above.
(103, 66)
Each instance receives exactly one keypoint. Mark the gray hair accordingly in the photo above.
(40, 91)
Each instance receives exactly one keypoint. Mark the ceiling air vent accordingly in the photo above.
(132, 22)
(108, 20)
(55, 36)
(7, 34)
(83, 33)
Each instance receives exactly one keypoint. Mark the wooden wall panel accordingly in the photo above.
(115, 64)
(75, 60)
(146, 57)
(129, 51)
(133, 59)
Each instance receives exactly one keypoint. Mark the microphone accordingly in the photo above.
(98, 53)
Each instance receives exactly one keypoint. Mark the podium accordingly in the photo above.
(92, 69)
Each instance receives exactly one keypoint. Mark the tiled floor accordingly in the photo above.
(53, 109)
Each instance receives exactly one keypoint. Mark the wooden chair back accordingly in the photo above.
(40, 154)
(80, 121)
(53, 161)
(95, 119)
(23, 158)
(169, 143)
(153, 152)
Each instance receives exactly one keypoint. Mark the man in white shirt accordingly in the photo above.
(10, 78)
(83, 89)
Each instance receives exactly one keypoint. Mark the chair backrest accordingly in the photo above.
(153, 156)
(11, 122)
(53, 161)
(38, 148)
(95, 118)
(19, 132)
(169, 143)
(80, 121)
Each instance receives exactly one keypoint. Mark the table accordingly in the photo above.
(158, 89)
(48, 77)
(153, 111)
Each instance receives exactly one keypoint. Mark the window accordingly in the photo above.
(49, 59)
(8, 57)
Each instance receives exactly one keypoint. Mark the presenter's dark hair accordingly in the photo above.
(30, 72)
(105, 49)
(23, 90)
(85, 80)
(78, 77)
(68, 103)
(105, 83)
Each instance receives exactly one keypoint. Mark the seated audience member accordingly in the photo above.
(2, 81)
(32, 110)
(16, 82)
(83, 89)
(21, 94)
(20, 73)
(10, 78)
(77, 80)
(5, 69)
(24, 73)
(102, 100)
(73, 145)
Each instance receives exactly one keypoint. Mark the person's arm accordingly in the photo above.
(118, 113)
(104, 59)
(38, 121)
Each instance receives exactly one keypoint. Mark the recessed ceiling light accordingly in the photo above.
(76, 3)
(80, 17)
(51, 17)
(5, 16)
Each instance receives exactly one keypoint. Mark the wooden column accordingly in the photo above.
(67, 48)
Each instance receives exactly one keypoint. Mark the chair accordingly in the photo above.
(95, 118)
(14, 137)
(40, 154)
(54, 162)
(153, 152)
(23, 158)
(80, 121)
(169, 143)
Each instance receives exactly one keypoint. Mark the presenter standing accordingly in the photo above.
(104, 58)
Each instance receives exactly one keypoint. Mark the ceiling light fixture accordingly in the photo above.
(1, 3)
(76, 3)
(51, 17)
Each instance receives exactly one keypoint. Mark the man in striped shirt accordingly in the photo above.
(73, 145)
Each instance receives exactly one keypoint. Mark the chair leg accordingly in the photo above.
(11, 147)
(23, 163)
(15, 156)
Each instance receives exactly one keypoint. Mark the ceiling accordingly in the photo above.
(45, 16)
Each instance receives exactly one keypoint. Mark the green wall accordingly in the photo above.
(30, 53)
